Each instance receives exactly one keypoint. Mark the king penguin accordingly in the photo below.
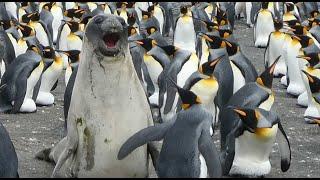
(252, 95)
(156, 62)
(186, 138)
(312, 68)
(183, 64)
(20, 80)
(8, 155)
(41, 29)
(184, 33)
(312, 110)
(205, 85)
(73, 60)
(263, 26)
(249, 143)
(274, 49)
(51, 73)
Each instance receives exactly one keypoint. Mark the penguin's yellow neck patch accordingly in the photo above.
(294, 42)
(58, 60)
(277, 33)
(186, 18)
(185, 106)
(72, 37)
(210, 82)
(266, 133)
(21, 41)
(147, 57)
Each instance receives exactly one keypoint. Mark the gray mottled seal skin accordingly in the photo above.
(108, 105)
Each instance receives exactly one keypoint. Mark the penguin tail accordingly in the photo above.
(44, 155)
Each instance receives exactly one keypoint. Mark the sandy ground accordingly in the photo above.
(31, 133)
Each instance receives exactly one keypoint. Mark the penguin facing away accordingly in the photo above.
(188, 129)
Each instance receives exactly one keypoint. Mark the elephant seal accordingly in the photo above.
(108, 105)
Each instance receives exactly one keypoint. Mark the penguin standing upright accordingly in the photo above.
(156, 62)
(42, 32)
(28, 37)
(312, 110)
(51, 73)
(69, 39)
(250, 141)
(184, 33)
(296, 85)
(186, 138)
(7, 51)
(253, 95)
(73, 60)
(159, 13)
(20, 80)
(313, 69)
(274, 49)
(205, 85)
(183, 64)
(12, 9)
(154, 33)
(57, 14)
(263, 26)
(242, 67)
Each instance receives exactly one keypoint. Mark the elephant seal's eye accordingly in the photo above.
(98, 19)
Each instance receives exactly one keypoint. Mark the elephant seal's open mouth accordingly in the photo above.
(108, 34)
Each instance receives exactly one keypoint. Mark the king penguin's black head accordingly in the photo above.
(73, 55)
(73, 25)
(264, 5)
(35, 16)
(147, 43)
(278, 24)
(248, 117)
(169, 49)
(314, 13)
(232, 48)
(266, 77)
(208, 67)
(314, 82)
(312, 58)
(48, 52)
(131, 19)
(187, 97)
(151, 29)
(225, 33)
(289, 6)
(183, 9)
(304, 40)
(26, 30)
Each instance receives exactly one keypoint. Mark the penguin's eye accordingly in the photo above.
(98, 19)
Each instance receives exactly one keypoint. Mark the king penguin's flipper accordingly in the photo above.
(55, 85)
(284, 148)
(210, 154)
(36, 89)
(228, 154)
(153, 133)
(21, 85)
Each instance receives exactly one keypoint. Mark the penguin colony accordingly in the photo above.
(194, 85)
